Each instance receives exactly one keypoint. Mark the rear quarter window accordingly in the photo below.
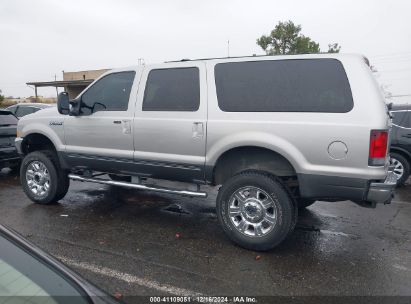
(293, 85)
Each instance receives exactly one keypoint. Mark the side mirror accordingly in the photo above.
(75, 106)
(63, 103)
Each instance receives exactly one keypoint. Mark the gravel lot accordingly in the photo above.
(140, 243)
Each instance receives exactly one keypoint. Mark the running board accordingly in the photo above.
(136, 186)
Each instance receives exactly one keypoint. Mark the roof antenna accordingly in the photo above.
(228, 48)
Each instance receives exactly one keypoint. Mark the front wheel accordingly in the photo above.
(42, 179)
(255, 210)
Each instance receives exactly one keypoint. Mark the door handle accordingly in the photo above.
(198, 129)
(126, 125)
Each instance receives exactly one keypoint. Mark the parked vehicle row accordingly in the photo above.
(401, 142)
(8, 129)
(277, 133)
(23, 109)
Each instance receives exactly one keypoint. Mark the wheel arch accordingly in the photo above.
(243, 158)
(36, 141)
(401, 151)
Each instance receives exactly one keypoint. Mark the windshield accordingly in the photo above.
(23, 275)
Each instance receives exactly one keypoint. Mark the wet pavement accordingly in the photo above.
(140, 243)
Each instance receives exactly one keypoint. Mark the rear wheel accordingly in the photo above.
(255, 210)
(42, 179)
(401, 167)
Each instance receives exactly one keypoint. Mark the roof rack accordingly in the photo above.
(212, 58)
(234, 57)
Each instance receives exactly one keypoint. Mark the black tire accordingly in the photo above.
(304, 203)
(281, 199)
(64, 185)
(405, 165)
(120, 178)
(64, 181)
(58, 179)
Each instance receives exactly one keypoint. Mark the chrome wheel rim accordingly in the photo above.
(398, 168)
(252, 211)
(38, 178)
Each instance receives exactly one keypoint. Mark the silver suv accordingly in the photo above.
(278, 133)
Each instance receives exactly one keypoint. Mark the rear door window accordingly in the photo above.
(175, 89)
(295, 85)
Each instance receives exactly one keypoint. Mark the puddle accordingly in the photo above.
(308, 228)
(326, 232)
(338, 233)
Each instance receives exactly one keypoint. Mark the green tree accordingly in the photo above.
(1, 96)
(286, 39)
(334, 48)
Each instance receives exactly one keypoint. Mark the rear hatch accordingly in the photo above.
(8, 127)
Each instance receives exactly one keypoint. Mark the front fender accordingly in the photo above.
(55, 136)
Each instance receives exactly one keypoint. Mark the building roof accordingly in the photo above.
(62, 83)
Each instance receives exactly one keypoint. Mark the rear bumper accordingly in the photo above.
(382, 192)
(335, 188)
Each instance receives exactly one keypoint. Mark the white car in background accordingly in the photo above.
(23, 109)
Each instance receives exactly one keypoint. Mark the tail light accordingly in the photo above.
(378, 148)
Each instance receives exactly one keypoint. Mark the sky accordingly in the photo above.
(39, 39)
